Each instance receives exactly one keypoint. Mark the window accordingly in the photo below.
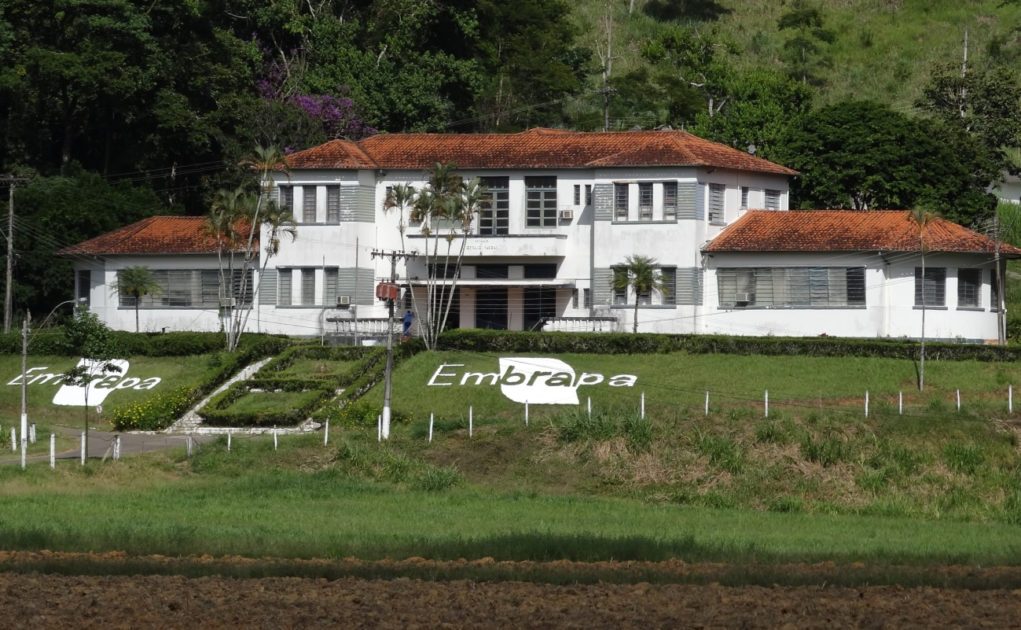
(287, 198)
(333, 204)
(969, 286)
(84, 287)
(791, 287)
(744, 197)
(586, 298)
(772, 199)
(619, 279)
(541, 201)
(577, 194)
(308, 204)
(620, 200)
(331, 277)
(716, 194)
(645, 201)
(192, 288)
(308, 286)
(669, 280)
(494, 214)
(588, 194)
(669, 201)
(574, 298)
(284, 287)
(933, 290)
(540, 271)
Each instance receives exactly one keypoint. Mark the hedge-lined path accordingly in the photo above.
(191, 420)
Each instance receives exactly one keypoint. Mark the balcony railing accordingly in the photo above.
(581, 324)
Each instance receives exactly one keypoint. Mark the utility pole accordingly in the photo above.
(12, 182)
(390, 294)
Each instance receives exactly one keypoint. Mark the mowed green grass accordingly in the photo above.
(672, 381)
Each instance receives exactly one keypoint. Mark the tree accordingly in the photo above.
(866, 156)
(235, 220)
(639, 275)
(700, 58)
(137, 282)
(91, 339)
(446, 208)
(806, 49)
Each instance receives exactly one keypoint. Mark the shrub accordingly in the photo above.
(722, 451)
(825, 452)
(156, 412)
(436, 479)
(963, 458)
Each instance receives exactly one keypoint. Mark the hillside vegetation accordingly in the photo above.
(883, 50)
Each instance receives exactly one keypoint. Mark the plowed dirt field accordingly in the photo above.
(40, 600)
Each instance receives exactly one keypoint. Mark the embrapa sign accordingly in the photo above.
(539, 381)
(98, 389)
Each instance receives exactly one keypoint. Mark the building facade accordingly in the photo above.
(563, 210)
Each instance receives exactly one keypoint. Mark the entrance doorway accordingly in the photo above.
(491, 308)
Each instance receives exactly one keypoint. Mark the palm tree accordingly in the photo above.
(639, 274)
(922, 219)
(137, 282)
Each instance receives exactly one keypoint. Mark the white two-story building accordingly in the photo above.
(565, 209)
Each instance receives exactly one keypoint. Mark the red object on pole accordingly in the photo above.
(387, 291)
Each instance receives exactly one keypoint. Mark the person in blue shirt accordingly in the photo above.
(407, 323)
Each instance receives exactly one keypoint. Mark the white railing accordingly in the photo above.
(581, 324)
(365, 326)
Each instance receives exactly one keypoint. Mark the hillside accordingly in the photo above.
(882, 49)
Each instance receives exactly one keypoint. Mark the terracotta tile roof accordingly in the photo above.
(340, 154)
(847, 230)
(155, 235)
(535, 148)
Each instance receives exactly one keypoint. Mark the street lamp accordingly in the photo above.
(24, 377)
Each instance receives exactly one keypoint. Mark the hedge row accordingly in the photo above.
(52, 341)
(623, 343)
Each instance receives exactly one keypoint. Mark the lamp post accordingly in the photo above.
(24, 377)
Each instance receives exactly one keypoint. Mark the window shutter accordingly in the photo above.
(602, 286)
(603, 202)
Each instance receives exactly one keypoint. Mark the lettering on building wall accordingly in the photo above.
(540, 381)
(98, 389)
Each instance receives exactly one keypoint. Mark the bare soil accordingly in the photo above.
(47, 600)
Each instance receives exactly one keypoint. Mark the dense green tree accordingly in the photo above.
(865, 156)
(984, 102)
(54, 212)
(763, 103)
(700, 59)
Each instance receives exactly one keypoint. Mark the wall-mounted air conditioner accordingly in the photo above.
(343, 300)
(567, 215)
(228, 302)
(743, 297)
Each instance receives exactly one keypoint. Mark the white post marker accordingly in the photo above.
(326, 433)
(526, 413)
(643, 405)
(707, 402)
(866, 403)
(274, 438)
(900, 403)
(83, 448)
(958, 401)
(53, 451)
(31, 433)
(188, 442)
(379, 428)
(1010, 399)
(765, 408)
(228, 440)
(589, 407)
(116, 447)
(470, 420)
(14, 439)
(430, 428)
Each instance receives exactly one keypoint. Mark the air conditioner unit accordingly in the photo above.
(743, 297)
(343, 300)
(567, 215)
(228, 302)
